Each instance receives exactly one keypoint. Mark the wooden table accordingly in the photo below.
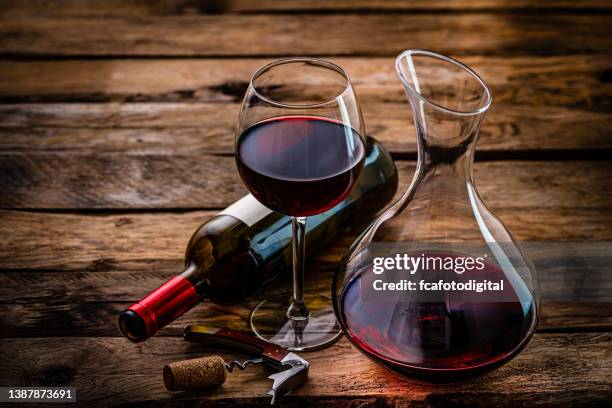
(116, 141)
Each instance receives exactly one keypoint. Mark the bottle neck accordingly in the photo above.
(141, 320)
(189, 271)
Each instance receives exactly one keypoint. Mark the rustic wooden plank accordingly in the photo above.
(196, 181)
(150, 242)
(554, 369)
(85, 304)
(81, 271)
(99, 318)
(174, 7)
(43, 241)
(563, 276)
(306, 34)
(571, 81)
(208, 128)
(419, 5)
(100, 181)
(125, 286)
(70, 242)
(578, 316)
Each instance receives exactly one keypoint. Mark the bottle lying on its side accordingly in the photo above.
(246, 246)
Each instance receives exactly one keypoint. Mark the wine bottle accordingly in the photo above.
(246, 246)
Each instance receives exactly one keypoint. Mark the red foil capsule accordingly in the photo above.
(166, 303)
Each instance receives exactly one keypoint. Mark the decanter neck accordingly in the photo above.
(448, 101)
(446, 140)
(446, 160)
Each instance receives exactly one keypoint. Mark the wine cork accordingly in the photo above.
(197, 373)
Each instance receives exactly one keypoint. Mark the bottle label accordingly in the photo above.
(247, 210)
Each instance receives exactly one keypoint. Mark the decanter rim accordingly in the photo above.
(418, 51)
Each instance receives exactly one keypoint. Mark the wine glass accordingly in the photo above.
(300, 148)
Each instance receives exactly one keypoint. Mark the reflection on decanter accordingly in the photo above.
(458, 334)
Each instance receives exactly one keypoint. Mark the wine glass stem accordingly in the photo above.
(298, 309)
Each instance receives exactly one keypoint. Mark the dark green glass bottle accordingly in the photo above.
(246, 246)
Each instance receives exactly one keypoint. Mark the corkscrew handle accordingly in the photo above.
(237, 340)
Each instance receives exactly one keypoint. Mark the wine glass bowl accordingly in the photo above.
(300, 148)
(274, 161)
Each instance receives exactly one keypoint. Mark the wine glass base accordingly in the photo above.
(269, 322)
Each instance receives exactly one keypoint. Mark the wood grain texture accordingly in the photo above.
(178, 7)
(307, 34)
(569, 81)
(199, 181)
(87, 304)
(119, 181)
(81, 271)
(540, 103)
(554, 369)
(208, 128)
(156, 242)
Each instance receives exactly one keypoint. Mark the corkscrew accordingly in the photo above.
(242, 366)
(212, 371)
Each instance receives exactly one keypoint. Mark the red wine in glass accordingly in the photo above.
(299, 165)
(438, 341)
(299, 151)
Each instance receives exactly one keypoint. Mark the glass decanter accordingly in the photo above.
(441, 334)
